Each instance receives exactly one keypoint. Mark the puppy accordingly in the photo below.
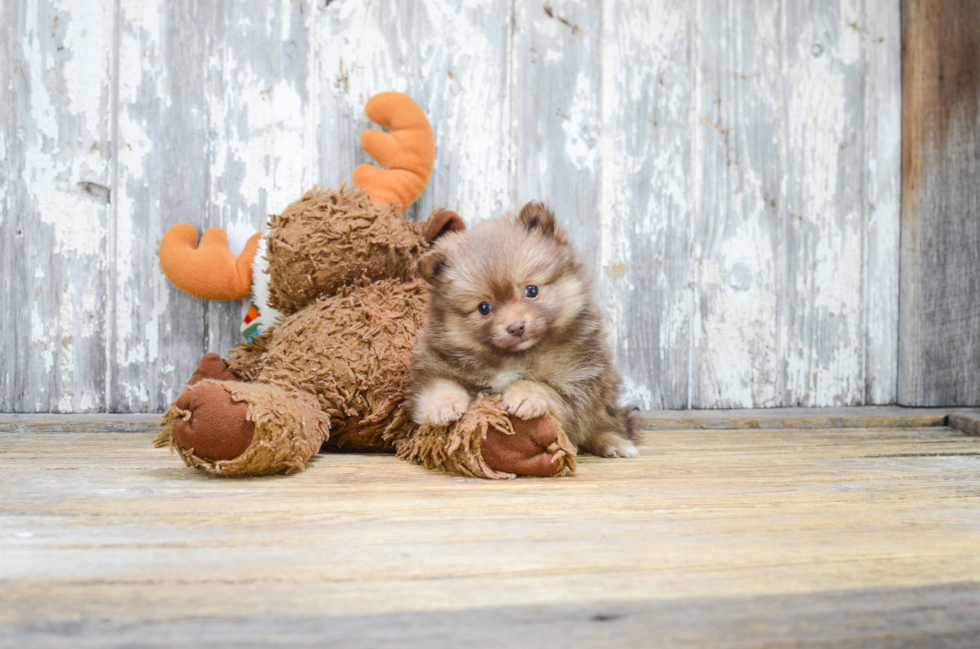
(512, 312)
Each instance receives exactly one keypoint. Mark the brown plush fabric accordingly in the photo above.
(352, 351)
(330, 239)
(460, 447)
(536, 447)
(247, 359)
(212, 425)
(289, 427)
(212, 366)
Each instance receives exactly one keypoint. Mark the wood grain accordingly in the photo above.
(739, 327)
(453, 59)
(87, 423)
(968, 423)
(962, 419)
(830, 537)
(824, 218)
(940, 328)
(161, 178)
(792, 305)
(780, 420)
(555, 77)
(935, 616)
(7, 22)
(645, 270)
(53, 233)
(881, 42)
(729, 169)
(263, 152)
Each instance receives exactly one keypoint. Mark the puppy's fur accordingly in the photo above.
(554, 359)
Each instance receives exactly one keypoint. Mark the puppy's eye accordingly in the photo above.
(530, 291)
(484, 308)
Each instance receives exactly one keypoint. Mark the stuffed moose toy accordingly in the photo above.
(338, 301)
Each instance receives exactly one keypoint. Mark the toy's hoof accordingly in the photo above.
(214, 367)
(216, 427)
(531, 450)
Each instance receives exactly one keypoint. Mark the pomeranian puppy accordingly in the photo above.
(512, 312)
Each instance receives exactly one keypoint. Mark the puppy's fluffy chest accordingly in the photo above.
(532, 367)
(502, 379)
(494, 377)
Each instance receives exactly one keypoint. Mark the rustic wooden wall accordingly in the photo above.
(730, 168)
(939, 360)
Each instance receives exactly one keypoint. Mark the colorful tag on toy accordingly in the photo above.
(251, 327)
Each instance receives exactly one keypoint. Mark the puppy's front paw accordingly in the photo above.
(448, 411)
(525, 400)
(612, 445)
(443, 403)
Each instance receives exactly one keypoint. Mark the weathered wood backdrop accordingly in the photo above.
(731, 168)
(939, 333)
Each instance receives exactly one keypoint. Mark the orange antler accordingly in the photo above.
(407, 151)
(209, 271)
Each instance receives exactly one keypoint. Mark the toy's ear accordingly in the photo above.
(535, 216)
(442, 222)
(432, 265)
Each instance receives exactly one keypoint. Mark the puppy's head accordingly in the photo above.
(506, 285)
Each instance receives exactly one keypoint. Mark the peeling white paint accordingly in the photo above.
(698, 155)
(828, 286)
(645, 196)
(268, 168)
(62, 60)
(579, 124)
(143, 312)
(66, 351)
(881, 43)
(262, 112)
(90, 34)
(41, 336)
(134, 152)
(457, 72)
(635, 395)
(75, 217)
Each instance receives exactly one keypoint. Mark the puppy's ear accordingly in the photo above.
(433, 264)
(535, 216)
(442, 222)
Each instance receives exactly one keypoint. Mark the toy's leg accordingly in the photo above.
(221, 430)
(247, 359)
(210, 423)
(488, 443)
(214, 367)
(534, 448)
(235, 428)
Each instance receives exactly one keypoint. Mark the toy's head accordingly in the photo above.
(329, 238)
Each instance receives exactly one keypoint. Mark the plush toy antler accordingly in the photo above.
(207, 270)
(407, 152)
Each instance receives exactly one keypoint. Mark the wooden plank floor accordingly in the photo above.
(850, 537)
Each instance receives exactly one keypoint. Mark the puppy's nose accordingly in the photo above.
(516, 328)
